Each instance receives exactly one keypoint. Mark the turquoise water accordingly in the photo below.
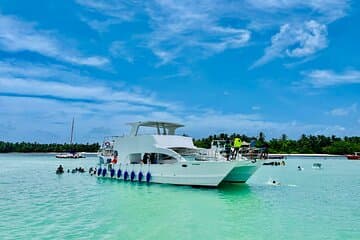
(35, 203)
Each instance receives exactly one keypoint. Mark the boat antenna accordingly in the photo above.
(72, 132)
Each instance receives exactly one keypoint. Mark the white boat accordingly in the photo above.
(317, 166)
(163, 157)
(71, 154)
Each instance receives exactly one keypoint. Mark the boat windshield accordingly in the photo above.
(191, 154)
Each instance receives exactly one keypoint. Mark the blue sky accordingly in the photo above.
(277, 66)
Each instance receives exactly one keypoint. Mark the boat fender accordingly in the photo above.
(140, 176)
(112, 172)
(99, 171)
(148, 177)
(126, 175)
(132, 176)
(119, 173)
(104, 172)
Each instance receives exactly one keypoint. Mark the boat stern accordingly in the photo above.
(242, 171)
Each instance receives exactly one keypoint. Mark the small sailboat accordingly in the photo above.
(71, 154)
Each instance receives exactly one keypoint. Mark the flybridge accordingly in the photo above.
(163, 128)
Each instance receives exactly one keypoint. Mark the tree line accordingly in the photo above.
(305, 144)
(26, 147)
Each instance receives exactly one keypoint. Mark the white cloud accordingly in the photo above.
(19, 69)
(177, 27)
(52, 81)
(217, 122)
(345, 111)
(94, 120)
(118, 49)
(26, 86)
(269, 13)
(327, 78)
(100, 26)
(113, 8)
(299, 40)
(17, 36)
(117, 12)
(331, 8)
(190, 26)
(198, 29)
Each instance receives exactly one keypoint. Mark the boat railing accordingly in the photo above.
(254, 153)
(233, 154)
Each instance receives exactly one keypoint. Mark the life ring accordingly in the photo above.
(119, 173)
(132, 176)
(107, 144)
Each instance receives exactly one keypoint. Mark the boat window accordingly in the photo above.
(166, 159)
(152, 131)
(135, 158)
(158, 158)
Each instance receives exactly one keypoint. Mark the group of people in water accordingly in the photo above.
(282, 163)
(60, 170)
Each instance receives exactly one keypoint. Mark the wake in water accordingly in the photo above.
(273, 182)
(277, 183)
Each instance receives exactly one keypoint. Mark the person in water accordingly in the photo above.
(60, 169)
(275, 182)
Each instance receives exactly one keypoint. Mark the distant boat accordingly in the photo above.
(355, 156)
(72, 154)
(317, 166)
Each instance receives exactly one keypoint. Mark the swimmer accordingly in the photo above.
(60, 170)
(273, 182)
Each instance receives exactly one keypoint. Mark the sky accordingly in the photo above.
(277, 66)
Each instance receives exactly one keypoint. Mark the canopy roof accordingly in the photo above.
(170, 127)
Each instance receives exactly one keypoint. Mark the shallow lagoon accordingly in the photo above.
(35, 203)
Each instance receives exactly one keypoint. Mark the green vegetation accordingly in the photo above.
(306, 143)
(6, 147)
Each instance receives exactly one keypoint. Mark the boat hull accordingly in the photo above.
(242, 172)
(209, 174)
(353, 157)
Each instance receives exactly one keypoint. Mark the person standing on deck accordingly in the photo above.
(237, 144)
(227, 149)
